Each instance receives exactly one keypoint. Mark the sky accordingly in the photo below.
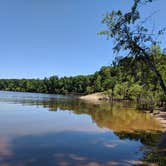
(41, 38)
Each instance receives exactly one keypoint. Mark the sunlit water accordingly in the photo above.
(52, 130)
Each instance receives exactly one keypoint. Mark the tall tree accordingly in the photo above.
(130, 34)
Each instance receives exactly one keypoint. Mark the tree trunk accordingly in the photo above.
(153, 68)
(157, 73)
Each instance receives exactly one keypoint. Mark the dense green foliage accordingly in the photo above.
(128, 32)
(126, 78)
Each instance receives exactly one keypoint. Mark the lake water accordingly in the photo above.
(52, 130)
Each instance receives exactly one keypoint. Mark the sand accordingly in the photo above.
(95, 97)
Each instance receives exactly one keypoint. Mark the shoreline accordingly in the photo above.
(98, 97)
(161, 117)
(94, 97)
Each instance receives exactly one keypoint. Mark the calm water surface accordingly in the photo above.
(52, 130)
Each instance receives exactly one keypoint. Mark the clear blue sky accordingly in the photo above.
(41, 38)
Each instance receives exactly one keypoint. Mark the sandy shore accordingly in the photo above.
(95, 97)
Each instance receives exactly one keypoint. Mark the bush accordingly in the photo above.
(121, 90)
(135, 91)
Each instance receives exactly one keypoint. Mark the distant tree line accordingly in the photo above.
(80, 84)
(126, 78)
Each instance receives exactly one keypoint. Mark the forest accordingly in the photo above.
(126, 78)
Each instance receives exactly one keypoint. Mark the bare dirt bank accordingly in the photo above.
(95, 97)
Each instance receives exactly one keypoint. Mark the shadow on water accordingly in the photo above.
(128, 132)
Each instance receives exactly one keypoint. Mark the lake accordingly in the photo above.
(52, 130)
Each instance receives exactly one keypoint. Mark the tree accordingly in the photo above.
(97, 84)
(53, 83)
(131, 35)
